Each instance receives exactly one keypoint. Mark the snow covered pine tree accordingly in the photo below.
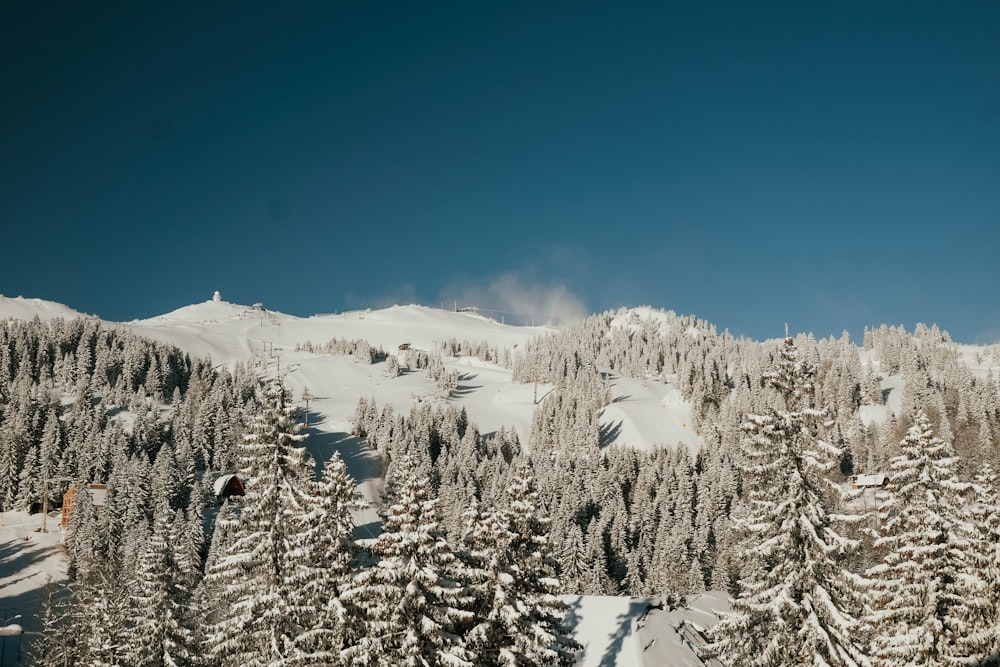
(917, 603)
(519, 616)
(410, 605)
(795, 601)
(257, 618)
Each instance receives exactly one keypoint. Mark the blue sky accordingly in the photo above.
(828, 165)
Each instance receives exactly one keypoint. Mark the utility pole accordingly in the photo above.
(45, 498)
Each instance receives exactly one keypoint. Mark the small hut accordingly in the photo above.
(98, 497)
(228, 485)
(872, 481)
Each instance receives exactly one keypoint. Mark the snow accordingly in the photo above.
(647, 414)
(11, 630)
(892, 389)
(644, 413)
(664, 639)
(640, 632)
(874, 479)
(634, 316)
(605, 627)
(981, 360)
(28, 560)
(19, 308)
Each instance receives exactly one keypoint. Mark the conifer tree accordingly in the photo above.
(57, 647)
(916, 602)
(519, 616)
(325, 557)
(83, 540)
(411, 605)
(256, 625)
(794, 605)
(97, 625)
(208, 605)
(159, 637)
(979, 581)
(29, 486)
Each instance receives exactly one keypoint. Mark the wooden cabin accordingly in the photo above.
(98, 496)
(228, 485)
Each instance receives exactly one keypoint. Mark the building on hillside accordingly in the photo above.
(98, 497)
(876, 480)
(228, 485)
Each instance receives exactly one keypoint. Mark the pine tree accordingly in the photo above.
(411, 605)
(794, 605)
(28, 484)
(979, 581)
(159, 637)
(916, 604)
(325, 551)
(257, 624)
(98, 623)
(186, 542)
(83, 541)
(57, 648)
(519, 616)
(209, 606)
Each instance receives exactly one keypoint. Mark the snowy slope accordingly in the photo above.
(642, 632)
(645, 414)
(648, 414)
(29, 559)
(19, 308)
(229, 333)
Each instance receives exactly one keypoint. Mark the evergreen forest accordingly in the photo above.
(481, 533)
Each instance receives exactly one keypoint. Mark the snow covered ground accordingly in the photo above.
(19, 308)
(29, 559)
(647, 414)
(642, 632)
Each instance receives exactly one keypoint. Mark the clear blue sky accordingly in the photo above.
(829, 165)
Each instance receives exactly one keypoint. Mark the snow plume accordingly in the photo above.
(988, 335)
(517, 299)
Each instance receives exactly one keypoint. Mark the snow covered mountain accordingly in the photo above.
(618, 395)
(643, 413)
